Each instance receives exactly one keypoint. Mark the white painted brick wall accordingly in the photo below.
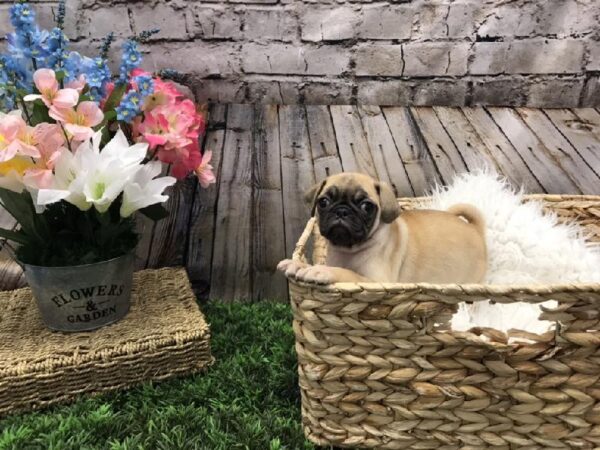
(520, 52)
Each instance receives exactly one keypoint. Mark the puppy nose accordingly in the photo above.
(342, 211)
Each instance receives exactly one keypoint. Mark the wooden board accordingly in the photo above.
(473, 150)
(420, 169)
(443, 151)
(202, 218)
(297, 171)
(387, 161)
(561, 150)
(507, 159)
(11, 274)
(231, 277)
(170, 235)
(352, 144)
(547, 170)
(144, 227)
(590, 117)
(583, 134)
(323, 146)
(268, 240)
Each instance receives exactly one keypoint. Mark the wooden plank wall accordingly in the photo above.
(231, 236)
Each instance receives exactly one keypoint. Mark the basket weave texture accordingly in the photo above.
(379, 366)
(163, 335)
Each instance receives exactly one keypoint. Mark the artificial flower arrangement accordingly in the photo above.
(82, 149)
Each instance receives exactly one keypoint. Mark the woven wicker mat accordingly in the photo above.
(163, 335)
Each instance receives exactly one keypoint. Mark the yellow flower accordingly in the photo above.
(18, 164)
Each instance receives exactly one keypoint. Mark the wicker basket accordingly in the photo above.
(164, 335)
(380, 367)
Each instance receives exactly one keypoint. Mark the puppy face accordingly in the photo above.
(351, 206)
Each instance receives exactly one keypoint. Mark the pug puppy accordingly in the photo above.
(369, 239)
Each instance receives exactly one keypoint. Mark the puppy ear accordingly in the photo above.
(387, 199)
(310, 197)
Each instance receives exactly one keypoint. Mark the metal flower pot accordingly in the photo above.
(82, 298)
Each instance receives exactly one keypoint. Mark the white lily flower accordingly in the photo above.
(66, 169)
(91, 177)
(144, 190)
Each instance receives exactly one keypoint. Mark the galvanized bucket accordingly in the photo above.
(82, 298)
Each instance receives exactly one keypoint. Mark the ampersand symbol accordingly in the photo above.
(91, 306)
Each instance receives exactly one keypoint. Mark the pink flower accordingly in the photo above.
(165, 93)
(79, 122)
(172, 131)
(50, 142)
(186, 160)
(110, 87)
(170, 126)
(204, 171)
(78, 83)
(16, 137)
(50, 139)
(38, 178)
(46, 83)
(154, 129)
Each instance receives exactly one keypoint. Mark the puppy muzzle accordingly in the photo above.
(343, 233)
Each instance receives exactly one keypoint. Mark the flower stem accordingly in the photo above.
(147, 159)
(66, 137)
(24, 106)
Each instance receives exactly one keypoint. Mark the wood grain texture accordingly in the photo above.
(444, 153)
(323, 146)
(468, 143)
(411, 146)
(202, 218)
(546, 169)
(590, 117)
(561, 150)
(170, 236)
(583, 132)
(231, 277)
(297, 171)
(268, 240)
(11, 274)
(386, 158)
(354, 149)
(507, 159)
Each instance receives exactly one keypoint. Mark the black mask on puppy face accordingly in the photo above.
(346, 217)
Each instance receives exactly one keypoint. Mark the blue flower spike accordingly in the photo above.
(131, 59)
(129, 107)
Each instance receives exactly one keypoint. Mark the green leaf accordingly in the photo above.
(60, 75)
(105, 136)
(115, 97)
(20, 206)
(40, 113)
(108, 117)
(15, 236)
(155, 212)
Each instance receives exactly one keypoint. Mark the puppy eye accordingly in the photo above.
(367, 207)
(323, 202)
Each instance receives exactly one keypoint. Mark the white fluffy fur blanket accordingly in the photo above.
(525, 246)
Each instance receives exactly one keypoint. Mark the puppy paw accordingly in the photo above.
(316, 274)
(290, 267)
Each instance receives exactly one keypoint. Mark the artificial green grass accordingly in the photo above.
(249, 399)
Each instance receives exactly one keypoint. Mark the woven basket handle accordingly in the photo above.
(300, 250)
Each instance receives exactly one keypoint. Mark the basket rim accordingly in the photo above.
(530, 293)
(579, 198)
